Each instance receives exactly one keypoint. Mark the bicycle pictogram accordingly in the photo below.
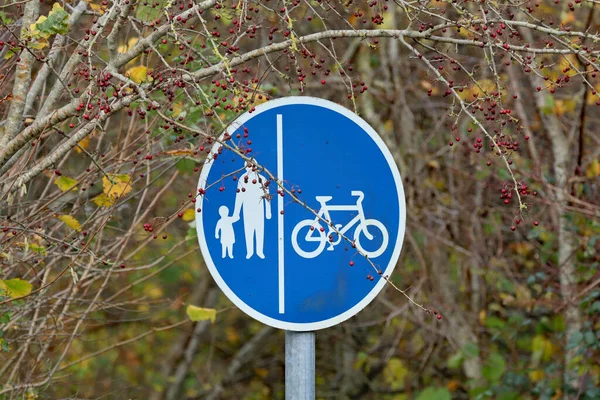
(317, 233)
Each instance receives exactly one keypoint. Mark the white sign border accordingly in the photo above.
(305, 326)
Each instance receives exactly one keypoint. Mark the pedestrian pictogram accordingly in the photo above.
(302, 213)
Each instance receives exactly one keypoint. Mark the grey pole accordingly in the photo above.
(299, 365)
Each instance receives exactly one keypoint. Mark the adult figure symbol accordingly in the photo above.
(252, 200)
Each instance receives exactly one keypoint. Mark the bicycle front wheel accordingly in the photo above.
(368, 246)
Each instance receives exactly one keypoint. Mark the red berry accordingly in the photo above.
(351, 263)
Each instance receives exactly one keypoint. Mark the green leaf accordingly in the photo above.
(65, 184)
(590, 338)
(185, 166)
(574, 340)
(470, 350)
(15, 288)
(55, 22)
(5, 19)
(37, 248)
(508, 394)
(456, 360)
(9, 54)
(201, 314)
(494, 367)
(432, 393)
(5, 318)
(548, 107)
(494, 323)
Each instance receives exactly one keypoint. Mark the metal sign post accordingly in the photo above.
(299, 365)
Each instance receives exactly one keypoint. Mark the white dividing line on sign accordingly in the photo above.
(280, 238)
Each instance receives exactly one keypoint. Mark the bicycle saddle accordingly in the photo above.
(323, 199)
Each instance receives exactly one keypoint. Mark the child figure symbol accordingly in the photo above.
(225, 229)
(251, 201)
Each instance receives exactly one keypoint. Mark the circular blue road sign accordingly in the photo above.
(302, 213)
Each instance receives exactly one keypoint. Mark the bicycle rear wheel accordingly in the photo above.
(303, 228)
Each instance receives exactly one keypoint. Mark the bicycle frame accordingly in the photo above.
(339, 228)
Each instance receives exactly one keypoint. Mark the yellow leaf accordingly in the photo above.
(65, 184)
(132, 42)
(567, 18)
(261, 372)
(482, 316)
(564, 106)
(97, 7)
(433, 164)
(395, 372)
(593, 98)
(453, 385)
(593, 170)
(189, 215)
(482, 88)
(177, 109)
(70, 221)
(125, 47)
(522, 248)
(426, 85)
(536, 375)
(542, 348)
(83, 144)
(155, 293)
(116, 185)
(15, 288)
(180, 152)
(388, 20)
(388, 126)
(38, 45)
(138, 74)
(103, 200)
(201, 314)
(232, 335)
(567, 62)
